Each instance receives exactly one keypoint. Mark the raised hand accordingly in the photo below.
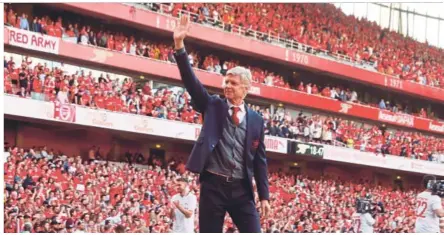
(181, 31)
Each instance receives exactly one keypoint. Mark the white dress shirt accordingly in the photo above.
(240, 114)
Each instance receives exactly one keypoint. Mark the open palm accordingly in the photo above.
(180, 32)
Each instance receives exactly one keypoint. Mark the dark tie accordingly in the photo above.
(234, 116)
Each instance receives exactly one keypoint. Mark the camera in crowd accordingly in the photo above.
(366, 205)
(437, 187)
(363, 205)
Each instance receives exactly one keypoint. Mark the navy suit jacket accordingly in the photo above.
(215, 111)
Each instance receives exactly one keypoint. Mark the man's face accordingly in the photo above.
(57, 209)
(181, 186)
(234, 88)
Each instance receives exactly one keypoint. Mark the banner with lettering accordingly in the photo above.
(396, 118)
(213, 80)
(276, 144)
(34, 41)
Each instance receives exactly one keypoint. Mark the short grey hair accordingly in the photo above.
(243, 73)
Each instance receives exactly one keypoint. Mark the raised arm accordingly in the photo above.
(197, 92)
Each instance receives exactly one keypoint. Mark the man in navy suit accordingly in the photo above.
(230, 149)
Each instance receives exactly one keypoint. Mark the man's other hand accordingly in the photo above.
(181, 31)
(265, 208)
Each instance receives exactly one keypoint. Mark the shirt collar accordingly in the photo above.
(242, 106)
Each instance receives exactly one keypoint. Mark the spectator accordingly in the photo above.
(132, 48)
(308, 88)
(70, 227)
(62, 96)
(24, 24)
(354, 97)
(382, 104)
(84, 38)
(36, 26)
(92, 39)
(334, 94)
(76, 30)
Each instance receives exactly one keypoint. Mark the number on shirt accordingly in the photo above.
(357, 225)
(420, 210)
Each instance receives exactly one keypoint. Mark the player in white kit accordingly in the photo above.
(428, 209)
(184, 206)
(363, 222)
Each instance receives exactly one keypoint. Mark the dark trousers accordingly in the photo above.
(217, 196)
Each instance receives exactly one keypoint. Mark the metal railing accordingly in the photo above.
(272, 38)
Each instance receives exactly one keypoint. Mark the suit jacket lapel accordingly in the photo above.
(226, 108)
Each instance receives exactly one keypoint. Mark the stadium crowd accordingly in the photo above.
(159, 50)
(44, 82)
(46, 191)
(325, 27)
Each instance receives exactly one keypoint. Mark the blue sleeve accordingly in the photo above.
(194, 87)
(260, 169)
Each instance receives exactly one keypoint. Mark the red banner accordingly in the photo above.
(143, 65)
(249, 46)
(64, 112)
